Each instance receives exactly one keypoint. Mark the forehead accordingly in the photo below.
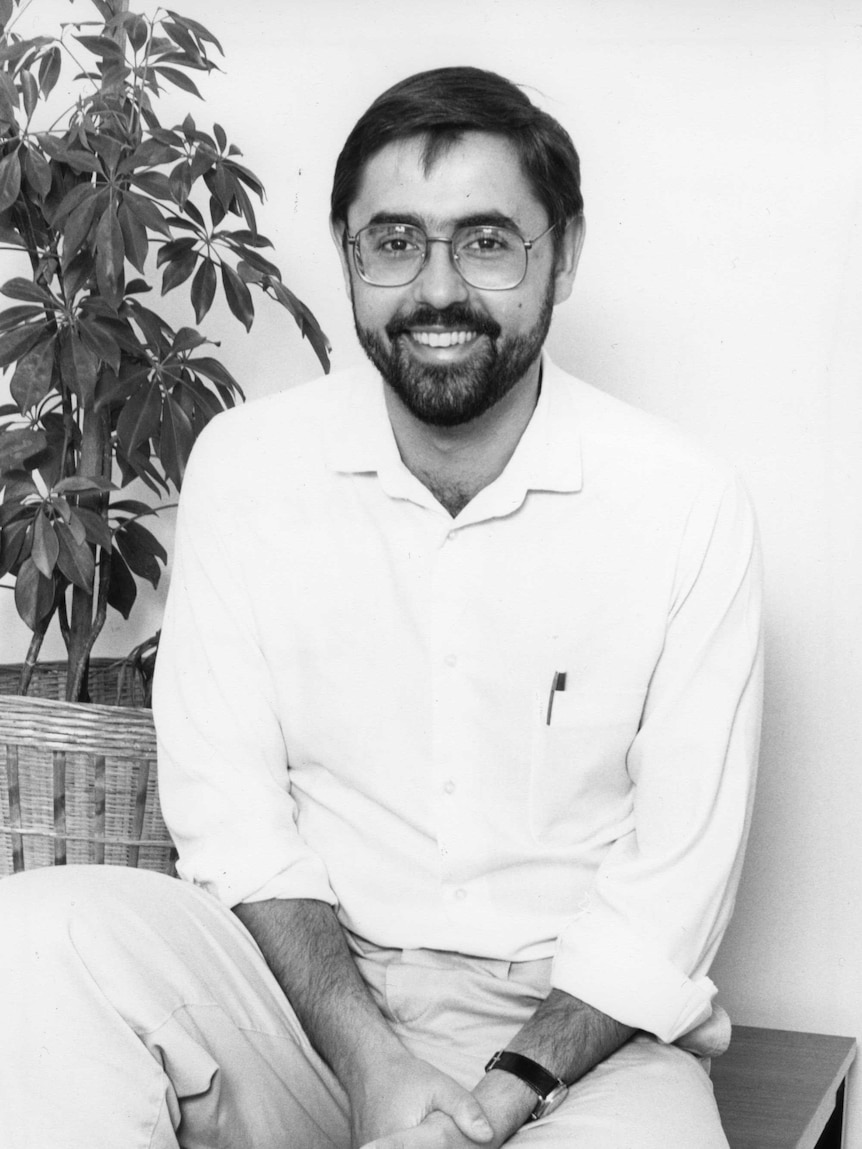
(479, 175)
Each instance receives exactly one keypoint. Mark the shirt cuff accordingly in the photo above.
(627, 977)
(239, 879)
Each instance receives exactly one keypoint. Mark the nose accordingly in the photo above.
(439, 284)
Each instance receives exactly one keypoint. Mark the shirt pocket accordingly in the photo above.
(580, 789)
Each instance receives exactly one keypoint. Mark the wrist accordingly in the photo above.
(549, 1089)
(507, 1102)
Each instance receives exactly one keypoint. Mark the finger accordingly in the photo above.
(465, 1111)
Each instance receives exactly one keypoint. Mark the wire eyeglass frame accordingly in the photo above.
(354, 242)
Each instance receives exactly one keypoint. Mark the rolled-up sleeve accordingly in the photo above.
(223, 776)
(642, 943)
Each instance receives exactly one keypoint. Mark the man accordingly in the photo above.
(458, 706)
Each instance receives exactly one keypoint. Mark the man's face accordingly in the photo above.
(450, 351)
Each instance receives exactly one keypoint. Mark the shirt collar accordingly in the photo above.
(358, 434)
(359, 438)
(548, 457)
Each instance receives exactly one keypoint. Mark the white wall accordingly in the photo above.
(721, 286)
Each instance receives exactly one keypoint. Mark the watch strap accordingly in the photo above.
(540, 1080)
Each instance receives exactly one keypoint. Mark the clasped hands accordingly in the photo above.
(412, 1105)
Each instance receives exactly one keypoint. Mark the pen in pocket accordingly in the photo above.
(558, 683)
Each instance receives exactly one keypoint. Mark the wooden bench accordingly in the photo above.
(778, 1089)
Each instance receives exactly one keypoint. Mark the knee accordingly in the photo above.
(34, 901)
(40, 908)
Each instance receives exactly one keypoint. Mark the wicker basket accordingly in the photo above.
(110, 682)
(78, 781)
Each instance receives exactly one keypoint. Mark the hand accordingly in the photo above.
(404, 1094)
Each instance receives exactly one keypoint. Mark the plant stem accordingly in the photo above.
(63, 619)
(33, 652)
(75, 685)
(90, 464)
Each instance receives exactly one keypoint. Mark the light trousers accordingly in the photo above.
(136, 1012)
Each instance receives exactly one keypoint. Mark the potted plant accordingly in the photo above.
(106, 393)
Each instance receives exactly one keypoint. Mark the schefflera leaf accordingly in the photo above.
(31, 381)
(75, 558)
(46, 546)
(141, 551)
(110, 257)
(34, 594)
(203, 289)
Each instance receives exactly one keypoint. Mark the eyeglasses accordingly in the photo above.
(490, 258)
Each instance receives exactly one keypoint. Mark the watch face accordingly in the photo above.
(549, 1104)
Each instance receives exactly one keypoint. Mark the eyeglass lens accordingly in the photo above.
(392, 255)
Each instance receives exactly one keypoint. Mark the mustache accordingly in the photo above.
(456, 315)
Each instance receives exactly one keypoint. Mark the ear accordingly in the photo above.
(568, 256)
(338, 231)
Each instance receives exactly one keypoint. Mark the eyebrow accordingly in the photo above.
(478, 219)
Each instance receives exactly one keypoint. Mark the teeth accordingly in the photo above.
(443, 338)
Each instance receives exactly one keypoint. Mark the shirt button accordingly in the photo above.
(449, 788)
(460, 895)
(451, 659)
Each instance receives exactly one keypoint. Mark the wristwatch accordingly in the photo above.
(549, 1089)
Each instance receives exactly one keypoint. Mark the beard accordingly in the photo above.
(449, 395)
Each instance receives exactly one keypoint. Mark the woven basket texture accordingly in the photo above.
(78, 780)
(109, 682)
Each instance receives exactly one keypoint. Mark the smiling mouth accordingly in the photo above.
(450, 328)
(443, 338)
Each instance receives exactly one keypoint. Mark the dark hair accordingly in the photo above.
(444, 103)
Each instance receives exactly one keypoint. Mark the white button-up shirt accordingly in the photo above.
(354, 691)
